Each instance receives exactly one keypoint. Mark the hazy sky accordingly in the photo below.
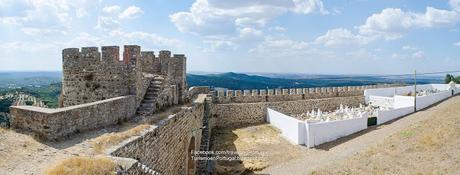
(304, 36)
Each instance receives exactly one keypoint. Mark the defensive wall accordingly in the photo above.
(55, 123)
(235, 108)
(243, 114)
(274, 95)
(165, 148)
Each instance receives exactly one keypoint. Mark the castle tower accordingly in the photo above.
(90, 75)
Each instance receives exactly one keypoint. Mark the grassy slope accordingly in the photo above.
(427, 147)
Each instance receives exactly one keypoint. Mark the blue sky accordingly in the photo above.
(295, 36)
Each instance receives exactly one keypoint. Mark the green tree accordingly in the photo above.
(5, 105)
(449, 78)
(29, 103)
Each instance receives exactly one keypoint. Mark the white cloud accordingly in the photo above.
(309, 6)
(110, 19)
(219, 44)
(393, 23)
(455, 4)
(12, 21)
(277, 29)
(279, 45)
(149, 38)
(36, 17)
(408, 47)
(249, 33)
(111, 9)
(20, 45)
(418, 54)
(415, 55)
(341, 37)
(457, 44)
(361, 54)
(131, 12)
(246, 21)
(213, 17)
(41, 31)
(390, 24)
(85, 39)
(107, 23)
(398, 56)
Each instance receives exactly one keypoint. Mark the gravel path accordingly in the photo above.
(344, 148)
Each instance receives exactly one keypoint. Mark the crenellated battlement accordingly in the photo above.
(92, 74)
(273, 95)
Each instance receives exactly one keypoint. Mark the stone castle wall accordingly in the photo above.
(55, 123)
(274, 95)
(243, 114)
(164, 148)
(90, 75)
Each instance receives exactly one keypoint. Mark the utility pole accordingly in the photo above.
(415, 90)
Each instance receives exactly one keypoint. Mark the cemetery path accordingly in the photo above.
(426, 141)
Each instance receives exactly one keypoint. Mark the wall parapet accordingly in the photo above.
(274, 95)
(163, 147)
(56, 123)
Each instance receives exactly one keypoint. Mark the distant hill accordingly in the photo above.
(233, 80)
(22, 79)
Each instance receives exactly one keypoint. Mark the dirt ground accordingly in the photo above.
(426, 142)
(260, 140)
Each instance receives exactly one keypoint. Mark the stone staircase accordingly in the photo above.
(203, 165)
(148, 104)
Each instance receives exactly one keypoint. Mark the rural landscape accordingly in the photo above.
(210, 87)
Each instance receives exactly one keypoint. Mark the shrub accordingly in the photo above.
(29, 103)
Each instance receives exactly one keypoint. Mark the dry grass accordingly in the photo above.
(427, 147)
(111, 139)
(83, 165)
(2, 130)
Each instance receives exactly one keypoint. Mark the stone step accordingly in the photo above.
(151, 92)
(150, 97)
(143, 109)
(154, 88)
(147, 105)
(142, 113)
(156, 82)
(149, 100)
(151, 89)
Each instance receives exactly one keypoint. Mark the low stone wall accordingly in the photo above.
(164, 148)
(55, 123)
(194, 91)
(275, 95)
(242, 114)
